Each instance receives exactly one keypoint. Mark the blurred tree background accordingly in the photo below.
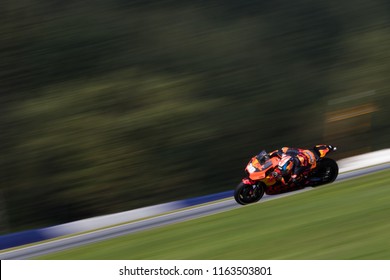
(110, 105)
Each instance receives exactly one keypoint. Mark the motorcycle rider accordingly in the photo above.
(294, 162)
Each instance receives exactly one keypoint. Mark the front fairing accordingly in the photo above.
(257, 171)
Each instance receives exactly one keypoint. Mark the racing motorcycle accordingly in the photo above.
(263, 175)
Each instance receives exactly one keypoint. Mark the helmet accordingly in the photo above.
(262, 157)
(286, 165)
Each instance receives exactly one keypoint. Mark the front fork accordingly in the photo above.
(252, 183)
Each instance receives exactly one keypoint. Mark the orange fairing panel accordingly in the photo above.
(269, 180)
(257, 171)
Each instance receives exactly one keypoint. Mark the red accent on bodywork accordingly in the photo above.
(248, 181)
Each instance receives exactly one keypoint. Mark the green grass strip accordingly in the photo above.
(346, 220)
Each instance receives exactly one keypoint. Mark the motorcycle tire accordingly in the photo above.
(246, 194)
(327, 170)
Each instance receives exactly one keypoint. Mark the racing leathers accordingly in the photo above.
(294, 163)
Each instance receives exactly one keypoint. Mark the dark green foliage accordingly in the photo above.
(112, 105)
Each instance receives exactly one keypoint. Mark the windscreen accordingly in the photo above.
(266, 165)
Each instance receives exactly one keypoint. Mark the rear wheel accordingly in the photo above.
(245, 194)
(326, 171)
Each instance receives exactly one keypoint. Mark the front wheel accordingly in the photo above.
(245, 194)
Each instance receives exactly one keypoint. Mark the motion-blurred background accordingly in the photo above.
(110, 105)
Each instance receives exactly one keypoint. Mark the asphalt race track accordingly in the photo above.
(31, 251)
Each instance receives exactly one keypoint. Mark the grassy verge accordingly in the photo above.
(347, 220)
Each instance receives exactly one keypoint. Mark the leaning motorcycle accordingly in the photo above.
(261, 177)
